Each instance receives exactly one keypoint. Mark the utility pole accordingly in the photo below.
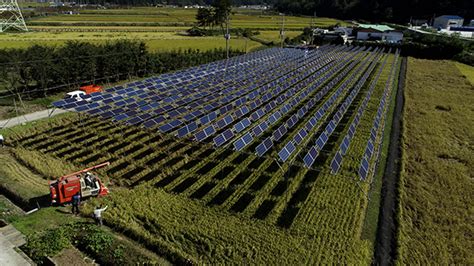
(312, 28)
(10, 16)
(282, 30)
(227, 35)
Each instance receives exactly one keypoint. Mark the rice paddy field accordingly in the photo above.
(259, 160)
(436, 188)
(159, 28)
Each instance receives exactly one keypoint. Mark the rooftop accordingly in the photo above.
(376, 27)
(450, 17)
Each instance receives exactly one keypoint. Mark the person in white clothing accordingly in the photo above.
(1, 140)
(98, 214)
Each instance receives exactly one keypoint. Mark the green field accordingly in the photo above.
(467, 71)
(436, 188)
(159, 28)
(177, 16)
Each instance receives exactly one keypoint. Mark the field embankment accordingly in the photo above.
(436, 189)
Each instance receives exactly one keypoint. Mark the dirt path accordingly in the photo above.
(386, 244)
(29, 117)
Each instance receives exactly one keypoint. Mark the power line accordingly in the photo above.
(62, 58)
(67, 84)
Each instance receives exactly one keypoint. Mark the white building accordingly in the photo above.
(447, 21)
(371, 32)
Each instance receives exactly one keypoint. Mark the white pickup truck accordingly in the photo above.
(75, 94)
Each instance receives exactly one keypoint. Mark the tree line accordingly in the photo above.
(371, 10)
(379, 10)
(40, 70)
(174, 2)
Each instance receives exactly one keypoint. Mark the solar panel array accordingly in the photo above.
(234, 102)
(344, 146)
(261, 149)
(321, 141)
(376, 134)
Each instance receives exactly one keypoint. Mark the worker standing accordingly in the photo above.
(98, 214)
(1, 140)
(76, 201)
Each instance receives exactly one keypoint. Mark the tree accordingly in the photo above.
(204, 17)
(221, 10)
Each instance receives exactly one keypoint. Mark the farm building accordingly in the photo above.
(379, 32)
(467, 32)
(447, 21)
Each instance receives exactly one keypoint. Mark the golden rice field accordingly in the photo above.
(436, 188)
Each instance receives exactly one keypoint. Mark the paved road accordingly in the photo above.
(9, 239)
(29, 117)
(8, 256)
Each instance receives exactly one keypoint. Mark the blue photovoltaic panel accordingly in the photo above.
(362, 173)
(320, 143)
(239, 144)
(344, 145)
(310, 157)
(255, 116)
(260, 150)
(257, 131)
(200, 136)
(228, 134)
(297, 139)
(287, 151)
(336, 163)
(219, 140)
(247, 138)
(210, 130)
(59, 103)
(263, 147)
(120, 117)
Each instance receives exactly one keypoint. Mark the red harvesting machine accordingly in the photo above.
(84, 182)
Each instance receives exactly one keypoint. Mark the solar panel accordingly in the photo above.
(324, 137)
(120, 117)
(309, 159)
(336, 163)
(373, 134)
(219, 140)
(210, 130)
(285, 153)
(297, 139)
(263, 147)
(239, 127)
(200, 135)
(243, 141)
(362, 173)
(320, 143)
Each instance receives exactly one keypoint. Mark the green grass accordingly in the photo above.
(436, 188)
(467, 71)
(8, 211)
(44, 219)
(240, 18)
(162, 41)
(275, 35)
(7, 109)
